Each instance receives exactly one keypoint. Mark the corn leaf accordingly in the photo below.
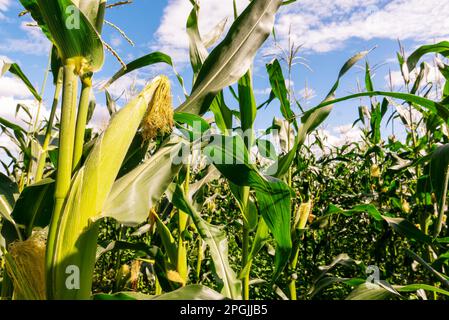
(94, 10)
(147, 60)
(17, 71)
(372, 291)
(279, 88)
(133, 195)
(32, 7)
(434, 107)
(198, 52)
(192, 292)
(168, 241)
(439, 176)
(34, 206)
(222, 113)
(75, 38)
(441, 48)
(216, 239)
(247, 102)
(260, 239)
(232, 58)
(8, 193)
(231, 158)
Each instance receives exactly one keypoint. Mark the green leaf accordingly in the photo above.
(15, 70)
(34, 206)
(198, 52)
(232, 58)
(137, 153)
(438, 275)
(416, 287)
(8, 192)
(372, 291)
(222, 113)
(75, 38)
(231, 158)
(310, 121)
(439, 177)
(266, 149)
(400, 225)
(147, 60)
(346, 67)
(260, 239)
(133, 195)
(192, 292)
(168, 241)
(441, 48)
(33, 8)
(192, 120)
(326, 282)
(110, 103)
(434, 107)
(313, 118)
(382, 291)
(247, 103)
(215, 237)
(368, 81)
(408, 229)
(280, 90)
(94, 10)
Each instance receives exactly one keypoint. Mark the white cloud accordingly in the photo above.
(262, 92)
(116, 41)
(4, 6)
(171, 36)
(125, 87)
(7, 111)
(322, 25)
(335, 137)
(13, 87)
(34, 43)
(100, 118)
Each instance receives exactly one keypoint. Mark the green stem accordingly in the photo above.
(199, 259)
(158, 288)
(43, 155)
(81, 121)
(293, 264)
(245, 242)
(64, 173)
(245, 251)
(182, 226)
(442, 205)
(118, 262)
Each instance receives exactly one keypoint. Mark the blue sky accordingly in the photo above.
(330, 32)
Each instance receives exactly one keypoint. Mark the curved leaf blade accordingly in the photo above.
(232, 58)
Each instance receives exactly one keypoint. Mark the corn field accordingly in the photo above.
(185, 200)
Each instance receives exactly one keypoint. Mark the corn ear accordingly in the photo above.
(75, 242)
